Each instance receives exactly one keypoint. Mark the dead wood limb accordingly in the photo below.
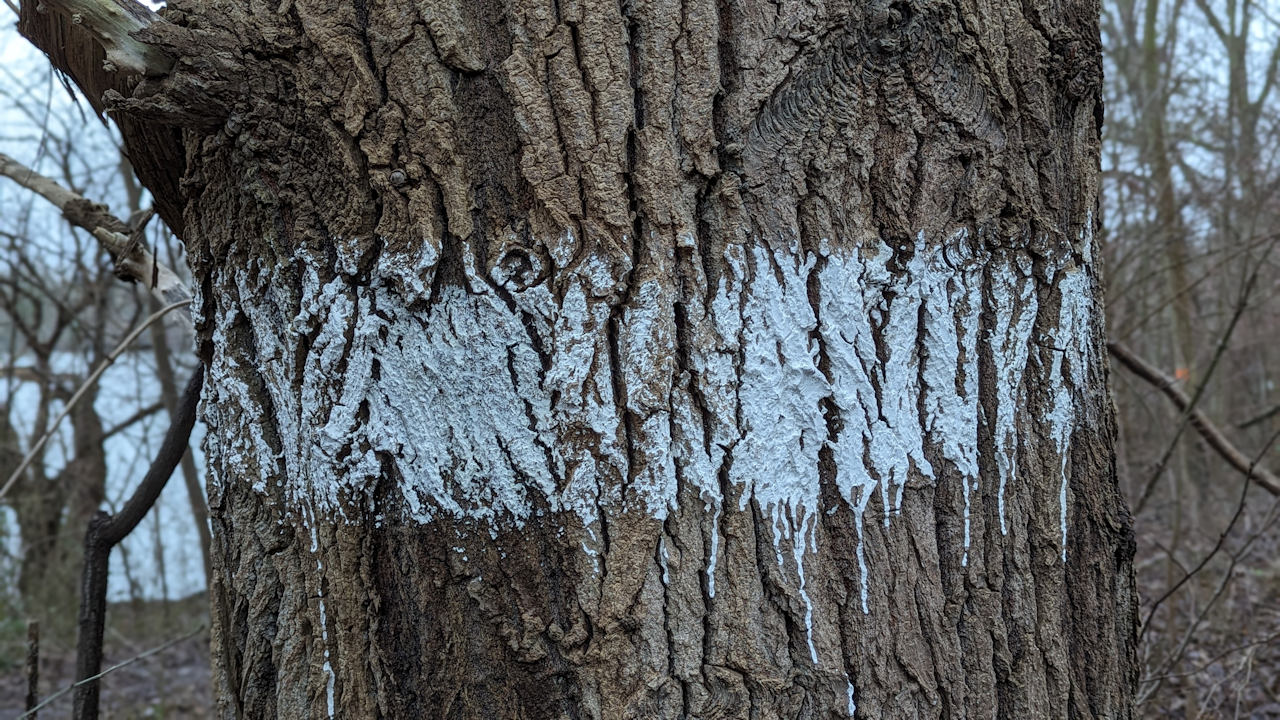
(133, 261)
(105, 532)
(113, 24)
(1201, 422)
(156, 152)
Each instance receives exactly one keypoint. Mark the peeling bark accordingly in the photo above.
(664, 359)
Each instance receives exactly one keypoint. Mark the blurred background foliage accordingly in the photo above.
(1190, 209)
(62, 312)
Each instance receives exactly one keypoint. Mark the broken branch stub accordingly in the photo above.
(112, 23)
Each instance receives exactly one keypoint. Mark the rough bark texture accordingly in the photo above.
(663, 359)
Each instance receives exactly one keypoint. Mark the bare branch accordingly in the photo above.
(26, 373)
(1260, 417)
(147, 411)
(1188, 574)
(111, 357)
(112, 23)
(1197, 418)
(133, 261)
(106, 531)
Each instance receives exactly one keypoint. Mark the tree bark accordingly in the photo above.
(664, 359)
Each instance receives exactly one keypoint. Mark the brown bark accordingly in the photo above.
(656, 360)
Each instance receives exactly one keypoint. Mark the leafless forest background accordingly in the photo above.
(1191, 213)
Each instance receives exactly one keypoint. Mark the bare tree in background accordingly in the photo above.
(1190, 189)
(62, 310)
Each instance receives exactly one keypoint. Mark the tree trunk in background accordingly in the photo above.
(170, 393)
(52, 513)
(671, 359)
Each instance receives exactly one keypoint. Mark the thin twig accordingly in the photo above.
(142, 656)
(1153, 684)
(1222, 538)
(102, 367)
(1162, 304)
(1259, 418)
(147, 411)
(1158, 681)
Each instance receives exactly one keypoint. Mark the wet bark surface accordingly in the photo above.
(664, 359)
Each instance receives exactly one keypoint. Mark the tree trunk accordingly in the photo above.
(695, 359)
(52, 511)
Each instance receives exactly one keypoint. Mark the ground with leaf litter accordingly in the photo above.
(172, 682)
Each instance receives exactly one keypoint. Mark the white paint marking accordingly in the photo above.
(386, 383)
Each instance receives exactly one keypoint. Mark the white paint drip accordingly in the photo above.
(330, 678)
(1071, 350)
(1014, 300)
(646, 341)
(952, 302)
(715, 547)
(852, 706)
(780, 397)
(798, 549)
(327, 668)
(894, 435)
(784, 530)
(859, 507)
(697, 461)
(663, 558)
(875, 400)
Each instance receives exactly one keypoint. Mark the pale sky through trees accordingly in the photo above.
(29, 97)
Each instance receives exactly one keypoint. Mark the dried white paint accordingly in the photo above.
(951, 301)
(647, 344)
(798, 550)
(1071, 358)
(715, 547)
(460, 403)
(663, 559)
(1015, 301)
(327, 667)
(779, 402)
